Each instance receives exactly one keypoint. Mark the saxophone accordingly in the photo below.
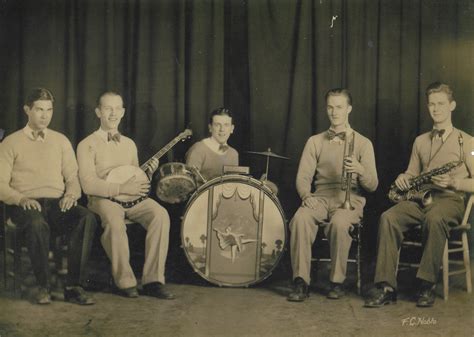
(419, 191)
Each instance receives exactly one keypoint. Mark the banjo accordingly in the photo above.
(143, 173)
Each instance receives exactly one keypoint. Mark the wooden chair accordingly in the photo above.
(456, 244)
(13, 249)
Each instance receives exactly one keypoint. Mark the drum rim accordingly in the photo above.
(269, 193)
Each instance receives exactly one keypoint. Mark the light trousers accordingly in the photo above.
(337, 223)
(154, 218)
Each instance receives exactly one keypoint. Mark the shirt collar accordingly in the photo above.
(104, 135)
(447, 132)
(213, 145)
(29, 133)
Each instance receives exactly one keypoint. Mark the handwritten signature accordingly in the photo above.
(417, 321)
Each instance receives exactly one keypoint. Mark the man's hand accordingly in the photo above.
(153, 165)
(310, 202)
(29, 204)
(67, 202)
(352, 165)
(403, 182)
(443, 180)
(132, 187)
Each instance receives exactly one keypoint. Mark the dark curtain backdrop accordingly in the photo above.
(270, 61)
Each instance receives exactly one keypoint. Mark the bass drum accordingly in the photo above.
(234, 231)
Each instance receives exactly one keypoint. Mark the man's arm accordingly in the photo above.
(460, 184)
(368, 178)
(70, 171)
(194, 157)
(306, 170)
(91, 183)
(8, 195)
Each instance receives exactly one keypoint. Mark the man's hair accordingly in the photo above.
(436, 87)
(221, 111)
(339, 92)
(39, 94)
(106, 93)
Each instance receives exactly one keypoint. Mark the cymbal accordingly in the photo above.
(268, 153)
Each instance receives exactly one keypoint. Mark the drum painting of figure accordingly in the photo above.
(234, 231)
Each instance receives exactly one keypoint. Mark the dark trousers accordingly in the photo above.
(435, 220)
(37, 226)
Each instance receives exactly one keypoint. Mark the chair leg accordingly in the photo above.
(358, 262)
(467, 262)
(445, 271)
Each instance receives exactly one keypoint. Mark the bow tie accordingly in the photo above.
(38, 134)
(115, 137)
(223, 147)
(436, 132)
(340, 135)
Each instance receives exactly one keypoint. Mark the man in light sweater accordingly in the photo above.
(323, 159)
(211, 154)
(39, 181)
(98, 154)
(443, 144)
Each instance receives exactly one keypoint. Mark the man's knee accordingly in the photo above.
(340, 224)
(161, 217)
(36, 223)
(301, 220)
(435, 222)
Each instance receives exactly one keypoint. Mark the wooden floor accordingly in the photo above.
(205, 310)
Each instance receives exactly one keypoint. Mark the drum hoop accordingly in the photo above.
(255, 183)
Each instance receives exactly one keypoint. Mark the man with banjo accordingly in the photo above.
(332, 158)
(103, 154)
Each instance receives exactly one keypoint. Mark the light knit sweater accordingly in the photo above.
(97, 156)
(208, 162)
(424, 149)
(37, 169)
(322, 160)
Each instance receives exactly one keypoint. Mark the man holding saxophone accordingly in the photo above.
(338, 156)
(443, 149)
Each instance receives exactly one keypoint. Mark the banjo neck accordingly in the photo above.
(183, 135)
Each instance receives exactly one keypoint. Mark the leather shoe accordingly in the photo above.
(300, 292)
(336, 291)
(157, 290)
(378, 297)
(77, 295)
(131, 292)
(426, 298)
(43, 296)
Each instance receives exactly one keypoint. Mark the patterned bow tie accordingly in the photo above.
(38, 134)
(436, 132)
(115, 137)
(223, 147)
(340, 135)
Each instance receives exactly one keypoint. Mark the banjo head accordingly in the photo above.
(121, 174)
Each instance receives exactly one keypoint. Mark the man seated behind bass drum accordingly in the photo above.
(211, 154)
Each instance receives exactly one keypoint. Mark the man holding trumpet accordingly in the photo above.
(338, 156)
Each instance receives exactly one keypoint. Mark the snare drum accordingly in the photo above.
(233, 231)
(176, 183)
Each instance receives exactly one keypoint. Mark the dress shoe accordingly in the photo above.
(300, 292)
(43, 296)
(77, 295)
(157, 290)
(336, 291)
(426, 297)
(378, 297)
(131, 292)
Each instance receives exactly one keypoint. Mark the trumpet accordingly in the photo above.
(346, 178)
